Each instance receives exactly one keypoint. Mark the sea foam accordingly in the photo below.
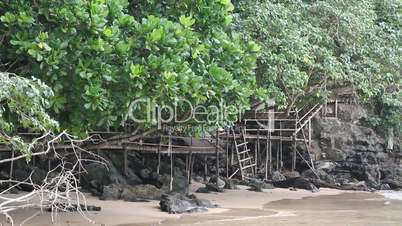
(392, 195)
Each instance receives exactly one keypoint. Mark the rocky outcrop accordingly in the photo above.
(277, 176)
(353, 156)
(179, 203)
(297, 182)
(139, 184)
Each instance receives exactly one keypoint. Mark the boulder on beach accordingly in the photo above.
(256, 185)
(220, 183)
(111, 192)
(277, 176)
(176, 203)
(299, 182)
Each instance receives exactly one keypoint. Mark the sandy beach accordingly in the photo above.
(243, 207)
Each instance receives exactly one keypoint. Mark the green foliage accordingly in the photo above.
(23, 104)
(389, 110)
(99, 56)
(309, 47)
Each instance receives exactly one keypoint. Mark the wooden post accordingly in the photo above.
(231, 154)
(294, 154)
(190, 156)
(217, 154)
(191, 166)
(12, 165)
(309, 132)
(227, 152)
(171, 161)
(33, 161)
(270, 154)
(171, 171)
(187, 166)
(278, 156)
(125, 161)
(336, 108)
(79, 165)
(205, 168)
(257, 150)
(158, 167)
(266, 156)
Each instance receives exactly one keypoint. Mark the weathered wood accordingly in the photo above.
(266, 157)
(187, 168)
(336, 108)
(125, 162)
(227, 154)
(257, 150)
(294, 155)
(277, 156)
(191, 166)
(79, 166)
(205, 168)
(279, 151)
(217, 155)
(12, 165)
(171, 171)
(309, 132)
(158, 167)
(190, 155)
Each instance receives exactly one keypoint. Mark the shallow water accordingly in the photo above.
(347, 209)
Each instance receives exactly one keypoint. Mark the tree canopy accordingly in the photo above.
(23, 104)
(99, 56)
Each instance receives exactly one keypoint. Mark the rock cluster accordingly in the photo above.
(352, 156)
(139, 184)
(180, 203)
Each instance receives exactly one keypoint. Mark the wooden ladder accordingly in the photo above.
(301, 123)
(245, 158)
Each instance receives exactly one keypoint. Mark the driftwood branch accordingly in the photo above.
(59, 191)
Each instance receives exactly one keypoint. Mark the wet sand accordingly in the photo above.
(345, 209)
(242, 207)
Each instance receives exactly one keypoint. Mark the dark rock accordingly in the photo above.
(299, 182)
(179, 185)
(231, 184)
(140, 193)
(213, 187)
(256, 185)
(83, 207)
(202, 202)
(385, 187)
(145, 174)
(132, 178)
(394, 184)
(218, 181)
(359, 186)
(179, 203)
(115, 176)
(277, 176)
(111, 192)
(268, 186)
(202, 190)
(97, 176)
(353, 153)
(323, 175)
(198, 179)
(289, 174)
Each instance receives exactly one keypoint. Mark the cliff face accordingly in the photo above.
(354, 156)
